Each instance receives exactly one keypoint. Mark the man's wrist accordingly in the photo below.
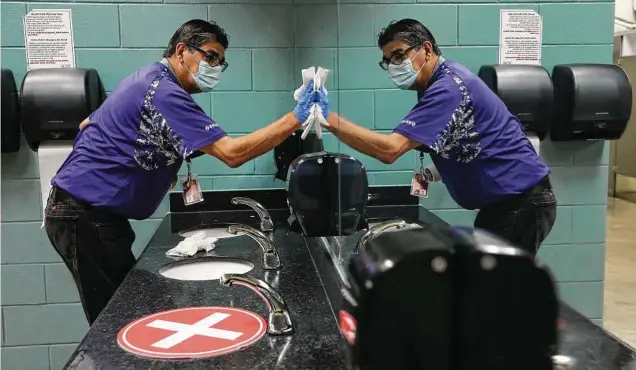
(334, 122)
(292, 118)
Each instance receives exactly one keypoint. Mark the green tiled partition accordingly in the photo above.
(271, 40)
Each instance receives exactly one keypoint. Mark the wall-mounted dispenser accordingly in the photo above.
(55, 101)
(293, 147)
(527, 92)
(327, 194)
(591, 102)
(10, 113)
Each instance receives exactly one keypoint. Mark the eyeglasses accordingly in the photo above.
(397, 58)
(213, 58)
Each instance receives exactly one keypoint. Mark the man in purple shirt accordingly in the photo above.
(128, 152)
(476, 144)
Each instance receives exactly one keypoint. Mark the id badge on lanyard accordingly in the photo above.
(419, 183)
(191, 189)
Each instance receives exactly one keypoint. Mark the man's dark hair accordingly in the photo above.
(197, 32)
(408, 30)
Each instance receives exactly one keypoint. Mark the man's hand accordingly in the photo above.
(83, 124)
(323, 102)
(306, 100)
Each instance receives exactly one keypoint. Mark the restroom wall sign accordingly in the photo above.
(48, 39)
(520, 36)
(193, 332)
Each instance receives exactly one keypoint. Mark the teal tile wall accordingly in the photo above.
(271, 40)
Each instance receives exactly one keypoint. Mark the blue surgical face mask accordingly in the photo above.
(403, 74)
(207, 77)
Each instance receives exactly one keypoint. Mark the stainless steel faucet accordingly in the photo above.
(278, 320)
(271, 261)
(377, 230)
(266, 219)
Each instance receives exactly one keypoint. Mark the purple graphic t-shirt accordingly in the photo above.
(126, 158)
(477, 145)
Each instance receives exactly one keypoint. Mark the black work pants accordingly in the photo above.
(96, 246)
(525, 220)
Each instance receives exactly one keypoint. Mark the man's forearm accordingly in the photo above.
(265, 139)
(235, 152)
(361, 139)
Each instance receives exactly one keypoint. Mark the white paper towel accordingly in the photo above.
(316, 120)
(534, 140)
(50, 158)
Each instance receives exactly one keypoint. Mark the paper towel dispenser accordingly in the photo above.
(10, 113)
(55, 101)
(327, 194)
(591, 102)
(527, 92)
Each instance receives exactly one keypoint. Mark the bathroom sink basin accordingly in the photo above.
(205, 268)
(217, 232)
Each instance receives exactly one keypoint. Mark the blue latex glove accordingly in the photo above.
(306, 100)
(323, 101)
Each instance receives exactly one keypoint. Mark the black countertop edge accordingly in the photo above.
(222, 200)
(277, 199)
(198, 220)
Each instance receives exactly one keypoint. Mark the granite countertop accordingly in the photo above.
(316, 343)
(591, 347)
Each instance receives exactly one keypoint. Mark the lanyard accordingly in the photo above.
(189, 164)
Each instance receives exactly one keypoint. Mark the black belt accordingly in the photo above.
(61, 195)
(58, 195)
(543, 184)
(512, 201)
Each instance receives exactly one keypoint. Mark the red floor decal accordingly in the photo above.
(192, 332)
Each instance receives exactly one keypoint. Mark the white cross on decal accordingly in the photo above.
(184, 332)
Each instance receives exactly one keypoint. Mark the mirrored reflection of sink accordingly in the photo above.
(217, 232)
(205, 268)
(409, 226)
